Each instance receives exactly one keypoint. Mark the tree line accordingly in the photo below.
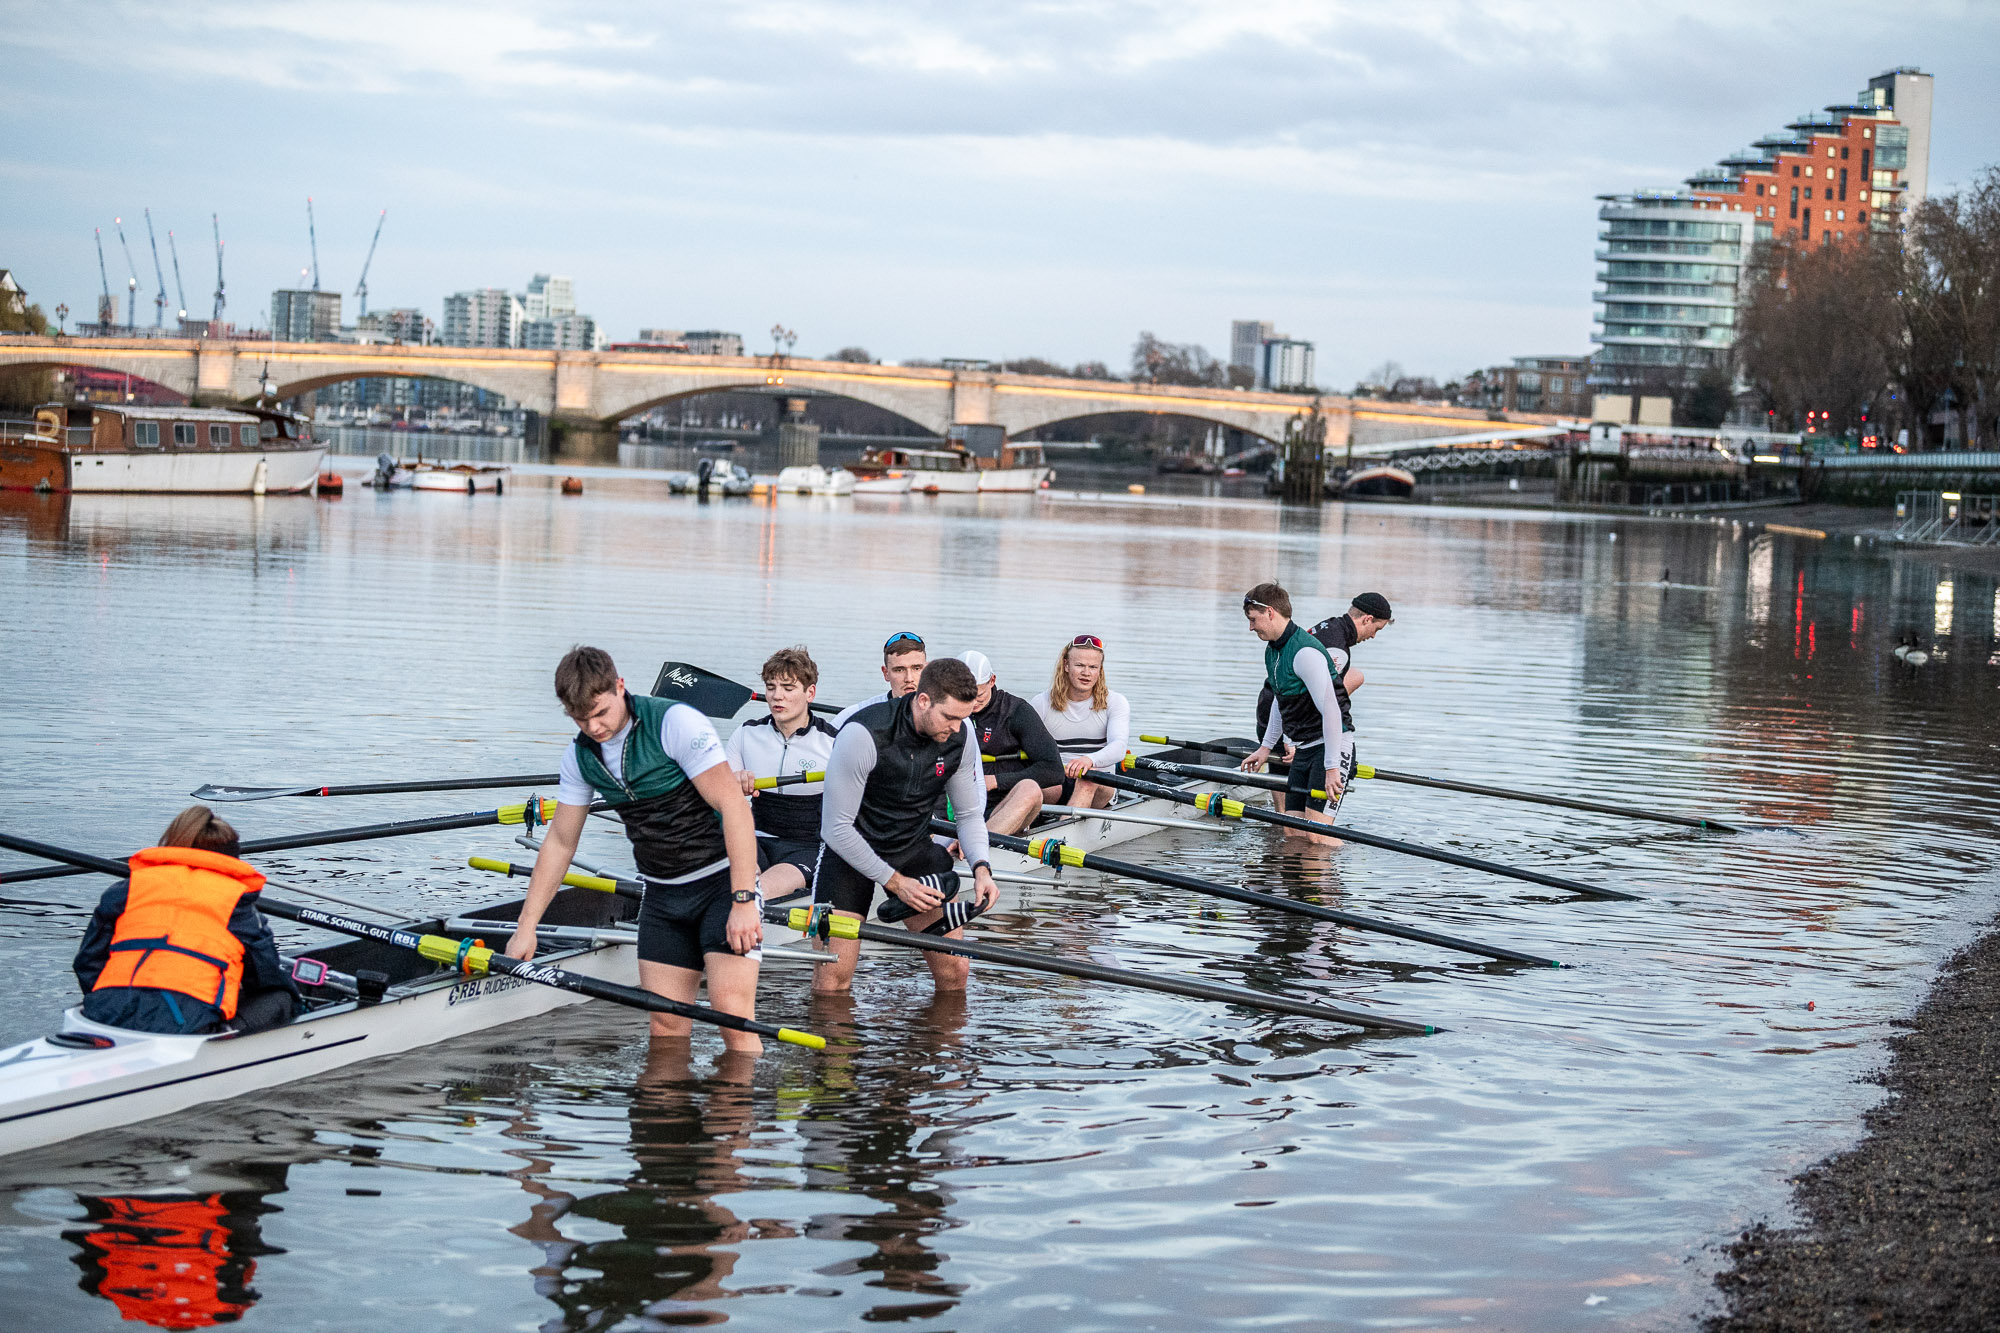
(1884, 333)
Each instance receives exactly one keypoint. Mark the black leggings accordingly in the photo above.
(263, 1011)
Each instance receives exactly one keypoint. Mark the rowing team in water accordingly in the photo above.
(180, 947)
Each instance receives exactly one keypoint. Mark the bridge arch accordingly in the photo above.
(762, 389)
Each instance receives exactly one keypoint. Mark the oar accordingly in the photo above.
(465, 955)
(1475, 789)
(1055, 852)
(714, 695)
(1228, 808)
(506, 814)
(218, 792)
(806, 920)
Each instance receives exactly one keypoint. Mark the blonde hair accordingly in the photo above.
(1100, 693)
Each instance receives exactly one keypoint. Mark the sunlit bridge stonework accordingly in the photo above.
(590, 392)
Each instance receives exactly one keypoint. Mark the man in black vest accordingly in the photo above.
(890, 764)
(662, 768)
(1365, 617)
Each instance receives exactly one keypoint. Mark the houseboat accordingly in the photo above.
(952, 471)
(190, 450)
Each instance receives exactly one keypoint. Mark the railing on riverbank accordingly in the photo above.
(1947, 518)
(1675, 494)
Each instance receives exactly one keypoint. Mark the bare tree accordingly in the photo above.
(1952, 288)
(1818, 331)
(1157, 362)
(855, 354)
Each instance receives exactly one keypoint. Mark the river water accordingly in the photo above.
(1048, 1154)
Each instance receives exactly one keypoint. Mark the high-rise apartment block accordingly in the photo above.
(1288, 364)
(713, 342)
(549, 297)
(1246, 343)
(1671, 264)
(561, 333)
(485, 317)
(299, 316)
(405, 324)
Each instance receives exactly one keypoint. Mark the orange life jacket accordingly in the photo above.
(165, 1262)
(174, 932)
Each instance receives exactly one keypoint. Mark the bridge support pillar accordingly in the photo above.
(583, 441)
(798, 439)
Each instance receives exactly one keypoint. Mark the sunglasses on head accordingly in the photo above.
(904, 637)
(1249, 605)
(1087, 641)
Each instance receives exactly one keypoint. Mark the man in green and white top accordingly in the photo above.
(660, 766)
(1300, 671)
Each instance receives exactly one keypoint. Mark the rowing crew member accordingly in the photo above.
(890, 764)
(1007, 727)
(1301, 672)
(180, 946)
(903, 660)
(1090, 721)
(661, 766)
(1365, 617)
(787, 742)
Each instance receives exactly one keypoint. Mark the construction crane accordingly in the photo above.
(361, 288)
(159, 292)
(107, 309)
(216, 318)
(132, 284)
(312, 235)
(180, 291)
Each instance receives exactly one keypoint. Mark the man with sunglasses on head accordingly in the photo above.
(891, 763)
(903, 660)
(1301, 672)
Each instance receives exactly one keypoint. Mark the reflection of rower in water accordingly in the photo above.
(176, 1260)
(678, 1239)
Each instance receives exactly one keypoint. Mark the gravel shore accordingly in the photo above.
(1902, 1231)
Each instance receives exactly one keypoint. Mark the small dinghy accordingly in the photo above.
(1381, 482)
(812, 479)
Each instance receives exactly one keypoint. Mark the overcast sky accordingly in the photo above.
(1411, 181)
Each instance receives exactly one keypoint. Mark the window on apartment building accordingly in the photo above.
(1795, 201)
(183, 433)
(1843, 185)
(1867, 134)
(1829, 152)
(1829, 215)
(1809, 171)
(1805, 225)
(1808, 191)
(1842, 214)
(1843, 152)
(1864, 160)
(146, 434)
(1795, 168)
(1760, 189)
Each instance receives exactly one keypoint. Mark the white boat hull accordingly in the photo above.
(897, 483)
(195, 472)
(945, 483)
(815, 480)
(1014, 478)
(50, 1092)
(461, 483)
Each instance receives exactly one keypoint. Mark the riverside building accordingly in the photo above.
(1671, 263)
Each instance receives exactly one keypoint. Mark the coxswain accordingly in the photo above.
(785, 743)
(1007, 728)
(903, 660)
(1301, 672)
(891, 762)
(660, 766)
(1091, 722)
(180, 946)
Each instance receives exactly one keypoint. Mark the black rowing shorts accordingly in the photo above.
(800, 852)
(678, 923)
(851, 891)
(1307, 776)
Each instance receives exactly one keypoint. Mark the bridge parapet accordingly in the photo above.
(593, 391)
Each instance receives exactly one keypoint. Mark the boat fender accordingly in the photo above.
(369, 986)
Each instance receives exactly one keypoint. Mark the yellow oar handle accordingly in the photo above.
(518, 814)
(994, 759)
(1156, 740)
(476, 959)
(789, 780)
(1364, 770)
(840, 927)
(575, 878)
(805, 1039)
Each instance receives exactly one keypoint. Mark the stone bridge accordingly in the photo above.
(591, 392)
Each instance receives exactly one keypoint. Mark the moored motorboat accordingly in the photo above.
(813, 479)
(886, 483)
(106, 447)
(463, 478)
(1018, 467)
(1383, 481)
(932, 471)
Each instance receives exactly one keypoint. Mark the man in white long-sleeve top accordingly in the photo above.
(890, 763)
(1301, 671)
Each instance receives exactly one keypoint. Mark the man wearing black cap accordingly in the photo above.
(1364, 619)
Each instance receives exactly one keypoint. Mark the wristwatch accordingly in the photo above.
(976, 865)
(745, 896)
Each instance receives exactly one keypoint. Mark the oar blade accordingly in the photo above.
(715, 696)
(213, 792)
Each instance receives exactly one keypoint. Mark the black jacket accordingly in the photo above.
(1005, 728)
(145, 1009)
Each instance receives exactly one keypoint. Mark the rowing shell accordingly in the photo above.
(90, 1078)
